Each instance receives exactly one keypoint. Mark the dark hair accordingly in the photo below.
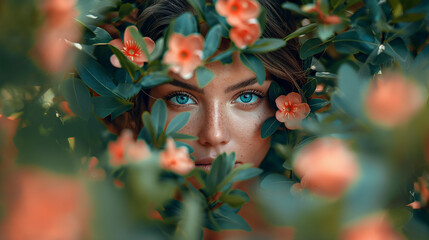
(283, 66)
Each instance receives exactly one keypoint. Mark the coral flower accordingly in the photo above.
(125, 148)
(291, 110)
(245, 34)
(393, 100)
(326, 167)
(238, 12)
(325, 19)
(184, 53)
(131, 49)
(176, 159)
(43, 205)
(375, 227)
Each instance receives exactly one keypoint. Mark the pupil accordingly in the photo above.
(182, 99)
(246, 97)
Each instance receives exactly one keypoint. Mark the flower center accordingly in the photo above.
(131, 50)
(183, 54)
(234, 7)
(288, 109)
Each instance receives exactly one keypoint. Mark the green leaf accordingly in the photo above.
(125, 9)
(78, 98)
(178, 122)
(309, 88)
(183, 136)
(185, 24)
(127, 90)
(204, 76)
(192, 219)
(247, 173)
(95, 76)
(325, 31)
(106, 105)
(147, 123)
(265, 45)
(199, 6)
(234, 198)
(125, 62)
(158, 116)
(182, 144)
(302, 30)
(353, 41)
(317, 103)
(276, 182)
(157, 51)
(294, 7)
(212, 41)
(255, 65)
(270, 126)
(154, 79)
(226, 218)
(135, 34)
(221, 167)
(311, 47)
(397, 49)
(274, 91)
(227, 54)
(98, 35)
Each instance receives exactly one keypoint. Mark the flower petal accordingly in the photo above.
(150, 44)
(293, 124)
(117, 43)
(115, 61)
(127, 34)
(293, 98)
(175, 41)
(280, 101)
(302, 110)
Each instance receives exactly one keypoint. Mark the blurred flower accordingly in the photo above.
(238, 12)
(131, 49)
(184, 53)
(64, 106)
(92, 171)
(51, 49)
(8, 150)
(176, 159)
(393, 100)
(125, 148)
(43, 205)
(326, 167)
(291, 110)
(245, 34)
(375, 227)
(325, 19)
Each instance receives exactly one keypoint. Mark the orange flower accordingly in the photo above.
(176, 159)
(184, 53)
(326, 167)
(44, 205)
(325, 19)
(375, 227)
(393, 100)
(245, 34)
(51, 49)
(238, 12)
(125, 148)
(130, 48)
(291, 110)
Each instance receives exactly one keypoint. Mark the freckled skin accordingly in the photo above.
(220, 122)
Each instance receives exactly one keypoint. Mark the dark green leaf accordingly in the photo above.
(212, 41)
(199, 6)
(247, 173)
(276, 182)
(127, 90)
(317, 103)
(147, 123)
(397, 49)
(221, 167)
(125, 62)
(265, 45)
(154, 79)
(309, 88)
(99, 36)
(178, 122)
(255, 65)
(106, 105)
(226, 218)
(125, 9)
(158, 116)
(302, 30)
(234, 198)
(157, 51)
(204, 76)
(274, 91)
(311, 47)
(135, 34)
(293, 7)
(185, 24)
(78, 98)
(183, 136)
(270, 126)
(353, 41)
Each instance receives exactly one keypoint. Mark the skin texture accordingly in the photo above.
(221, 120)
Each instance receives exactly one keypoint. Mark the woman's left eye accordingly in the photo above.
(247, 98)
(181, 99)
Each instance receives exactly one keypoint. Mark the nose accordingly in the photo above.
(214, 130)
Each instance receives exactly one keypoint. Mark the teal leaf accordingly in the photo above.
(325, 31)
(212, 41)
(78, 98)
(255, 65)
(397, 49)
(274, 91)
(265, 45)
(204, 76)
(276, 182)
(185, 24)
(317, 103)
(95, 76)
(199, 6)
(178, 122)
(183, 136)
(157, 51)
(124, 10)
(98, 35)
(234, 198)
(158, 116)
(227, 54)
(309, 88)
(294, 7)
(147, 124)
(302, 30)
(311, 47)
(353, 41)
(154, 79)
(135, 34)
(221, 167)
(125, 62)
(247, 173)
(127, 90)
(270, 126)
(182, 144)
(106, 105)
(226, 218)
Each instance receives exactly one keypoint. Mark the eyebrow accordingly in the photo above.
(241, 85)
(186, 85)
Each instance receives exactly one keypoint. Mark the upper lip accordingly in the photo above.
(204, 161)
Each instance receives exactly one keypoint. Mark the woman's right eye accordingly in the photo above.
(181, 99)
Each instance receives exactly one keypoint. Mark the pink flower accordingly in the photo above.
(393, 100)
(375, 227)
(43, 205)
(245, 34)
(184, 53)
(176, 159)
(238, 12)
(126, 148)
(326, 166)
(130, 48)
(325, 19)
(291, 110)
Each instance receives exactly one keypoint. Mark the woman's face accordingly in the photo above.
(226, 115)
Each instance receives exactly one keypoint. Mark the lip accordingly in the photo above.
(206, 163)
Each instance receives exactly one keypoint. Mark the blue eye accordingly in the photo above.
(181, 99)
(247, 98)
